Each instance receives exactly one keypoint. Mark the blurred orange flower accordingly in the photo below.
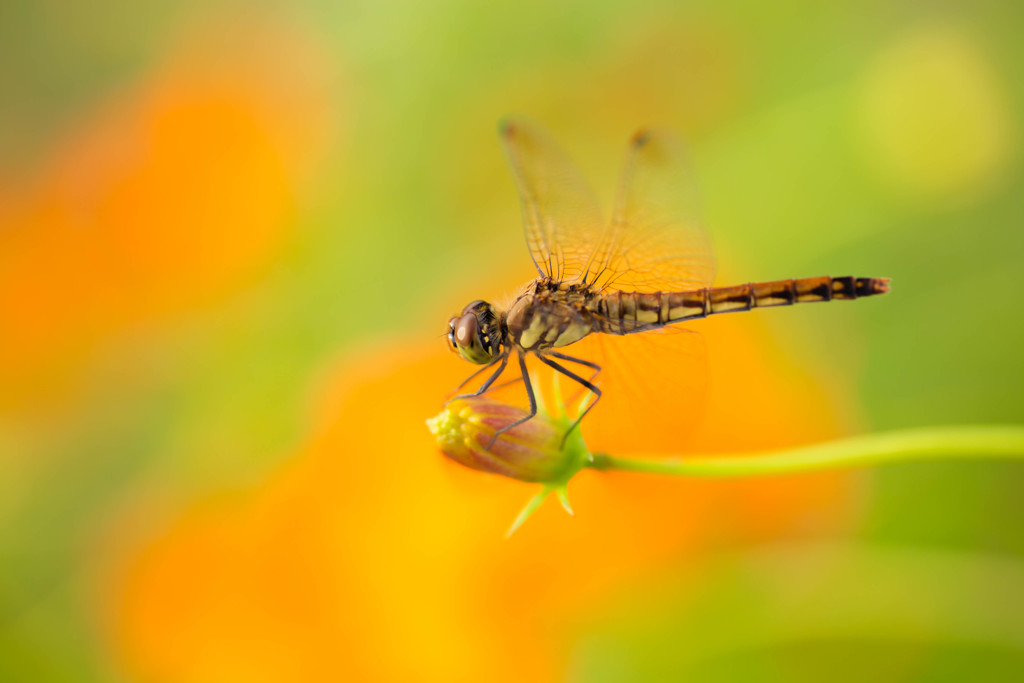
(371, 556)
(174, 195)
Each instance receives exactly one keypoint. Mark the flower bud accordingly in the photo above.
(535, 450)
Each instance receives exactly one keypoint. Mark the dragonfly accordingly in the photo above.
(648, 268)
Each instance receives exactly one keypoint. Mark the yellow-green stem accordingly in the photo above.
(933, 443)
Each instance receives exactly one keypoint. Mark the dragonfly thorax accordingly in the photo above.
(550, 314)
(476, 333)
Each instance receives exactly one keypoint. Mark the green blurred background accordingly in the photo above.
(881, 138)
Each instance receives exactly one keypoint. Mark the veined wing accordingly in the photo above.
(655, 389)
(561, 218)
(656, 240)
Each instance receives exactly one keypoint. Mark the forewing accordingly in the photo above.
(561, 218)
(656, 241)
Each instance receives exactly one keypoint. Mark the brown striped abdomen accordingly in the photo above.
(628, 312)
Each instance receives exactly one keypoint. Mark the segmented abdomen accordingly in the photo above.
(627, 312)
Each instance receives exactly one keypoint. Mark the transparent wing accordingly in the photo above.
(561, 218)
(654, 383)
(654, 388)
(656, 240)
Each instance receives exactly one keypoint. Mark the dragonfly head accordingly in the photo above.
(475, 334)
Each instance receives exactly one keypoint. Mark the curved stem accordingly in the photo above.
(933, 443)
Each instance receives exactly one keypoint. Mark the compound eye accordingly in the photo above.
(469, 340)
(466, 330)
(451, 333)
(472, 307)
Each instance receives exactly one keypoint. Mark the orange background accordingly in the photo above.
(229, 243)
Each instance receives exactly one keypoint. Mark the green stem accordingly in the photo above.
(933, 443)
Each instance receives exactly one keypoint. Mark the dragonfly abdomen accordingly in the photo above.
(627, 312)
(789, 292)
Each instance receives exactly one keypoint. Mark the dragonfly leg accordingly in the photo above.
(576, 378)
(487, 384)
(590, 364)
(509, 383)
(466, 381)
(490, 380)
(529, 394)
(572, 359)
